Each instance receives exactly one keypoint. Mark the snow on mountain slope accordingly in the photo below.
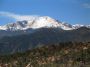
(39, 22)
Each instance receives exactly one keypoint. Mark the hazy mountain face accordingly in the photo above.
(44, 36)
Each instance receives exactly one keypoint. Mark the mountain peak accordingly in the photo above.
(39, 22)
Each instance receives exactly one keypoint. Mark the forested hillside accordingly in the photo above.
(68, 54)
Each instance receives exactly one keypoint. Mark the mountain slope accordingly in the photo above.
(43, 36)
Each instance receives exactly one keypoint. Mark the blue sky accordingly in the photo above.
(70, 11)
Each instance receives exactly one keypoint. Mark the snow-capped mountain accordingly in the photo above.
(35, 23)
(39, 22)
(24, 35)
